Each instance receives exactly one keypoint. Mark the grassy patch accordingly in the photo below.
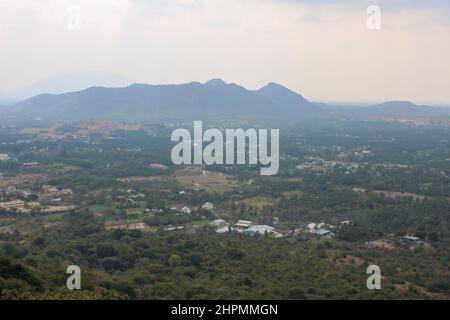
(98, 208)
(53, 217)
(134, 216)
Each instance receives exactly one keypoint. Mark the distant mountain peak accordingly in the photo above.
(215, 83)
(282, 95)
(138, 85)
(404, 106)
(274, 85)
(399, 110)
(396, 103)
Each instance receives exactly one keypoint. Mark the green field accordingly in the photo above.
(134, 216)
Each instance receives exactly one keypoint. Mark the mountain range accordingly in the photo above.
(214, 99)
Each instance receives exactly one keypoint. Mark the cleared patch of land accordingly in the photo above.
(142, 179)
(379, 244)
(209, 181)
(83, 128)
(259, 202)
(23, 179)
(113, 225)
(395, 194)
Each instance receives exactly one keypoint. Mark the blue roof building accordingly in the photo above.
(321, 232)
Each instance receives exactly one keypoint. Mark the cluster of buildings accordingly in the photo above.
(321, 230)
(50, 200)
(246, 227)
(208, 206)
(183, 210)
(321, 165)
(52, 194)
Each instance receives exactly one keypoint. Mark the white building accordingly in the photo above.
(208, 206)
(225, 229)
(218, 223)
(262, 229)
(4, 157)
(243, 224)
(186, 210)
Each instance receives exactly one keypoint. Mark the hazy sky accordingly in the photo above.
(319, 48)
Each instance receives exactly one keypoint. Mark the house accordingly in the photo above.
(322, 232)
(318, 229)
(324, 226)
(243, 224)
(263, 228)
(66, 191)
(50, 189)
(171, 228)
(158, 166)
(208, 206)
(218, 223)
(186, 210)
(30, 164)
(225, 229)
(135, 196)
(4, 157)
